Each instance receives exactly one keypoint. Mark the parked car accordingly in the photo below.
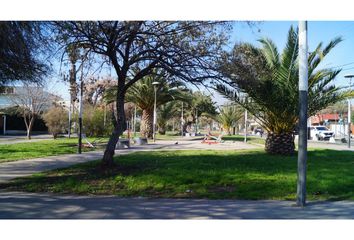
(320, 133)
(258, 131)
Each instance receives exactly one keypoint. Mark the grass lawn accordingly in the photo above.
(203, 174)
(19, 151)
(240, 138)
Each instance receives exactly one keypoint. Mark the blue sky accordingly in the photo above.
(318, 31)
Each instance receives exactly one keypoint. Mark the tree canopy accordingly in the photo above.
(187, 50)
(20, 44)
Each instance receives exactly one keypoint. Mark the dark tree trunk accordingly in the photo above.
(282, 144)
(119, 128)
(147, 123)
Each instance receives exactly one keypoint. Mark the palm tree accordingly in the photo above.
(265, 82)
(165, 113)
(142, 94)
(228, 117)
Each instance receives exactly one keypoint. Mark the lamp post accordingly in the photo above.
(182, 120)
(154, 122)
(245, 140)
(350, 76)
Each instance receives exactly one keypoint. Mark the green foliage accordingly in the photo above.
(164, 113)
(229, 116)
(93, 122)
(204, 174)
(270, 82)
(56, 119)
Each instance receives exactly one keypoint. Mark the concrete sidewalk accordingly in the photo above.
(18, 205)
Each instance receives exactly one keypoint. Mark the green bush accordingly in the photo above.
(56, 119)
(93, 122)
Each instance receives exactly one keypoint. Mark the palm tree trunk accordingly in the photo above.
(282, 144)
(147, 123)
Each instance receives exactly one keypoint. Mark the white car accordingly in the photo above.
(320, 133)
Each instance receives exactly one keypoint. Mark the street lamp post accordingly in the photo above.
(245, 140)
(154, 122)
(349, 107)
(182, 120)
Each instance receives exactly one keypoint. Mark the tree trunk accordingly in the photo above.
(162, 129)
(29, 128)
(119, 128)
(282, 144)
(146, 126)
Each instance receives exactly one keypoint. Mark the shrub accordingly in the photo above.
(56, 119)
(93, 121)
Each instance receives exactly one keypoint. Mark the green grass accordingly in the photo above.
(240, 138)
(203, 174)
(19, 151)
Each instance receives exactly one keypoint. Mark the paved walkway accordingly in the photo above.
(19, 205)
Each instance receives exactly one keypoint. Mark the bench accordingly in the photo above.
(140, 141)
(122, 143)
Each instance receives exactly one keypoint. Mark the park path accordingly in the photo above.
(10, 170)
(20, 205)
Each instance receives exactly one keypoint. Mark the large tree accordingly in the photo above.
(143, 95)
(186, 50)
(20, 55)
(265, 82)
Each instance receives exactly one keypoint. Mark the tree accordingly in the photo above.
(265, 82)
(186, 50)
(199, 104)
(228, 117)
(20, 44)
(31, 100)
(165, 113)
(143, 95)
(56, 120)
(95, 89)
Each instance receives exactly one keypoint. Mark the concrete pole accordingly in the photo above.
(245, 140)
(349, 113)
(349, 122)
(303, 92)
(69, 128)
(182, 121)
(134, 127)
(80, 115)
(154, 124)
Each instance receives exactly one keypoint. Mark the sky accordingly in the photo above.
(318, 31)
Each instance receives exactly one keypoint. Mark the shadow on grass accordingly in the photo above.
(203, 174)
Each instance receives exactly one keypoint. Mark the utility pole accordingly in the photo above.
(303, 91)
